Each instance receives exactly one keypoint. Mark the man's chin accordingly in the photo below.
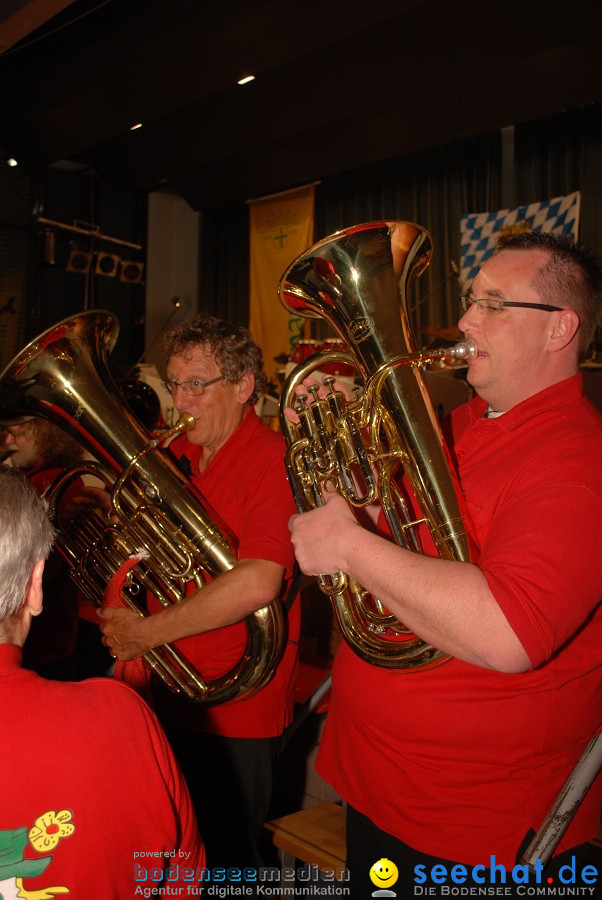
(472, 378)
(195, 436)
(476, 375)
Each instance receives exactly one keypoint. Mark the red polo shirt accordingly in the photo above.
(246, 485)
(93, 785)
(460, 761)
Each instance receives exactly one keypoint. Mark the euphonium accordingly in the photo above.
(63, 376)
(357, 280)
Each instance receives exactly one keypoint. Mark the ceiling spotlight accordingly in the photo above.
(246, 79)
(12, 162)
(107, 264)
(136, 126)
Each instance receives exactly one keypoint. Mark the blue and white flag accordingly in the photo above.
(479, 231)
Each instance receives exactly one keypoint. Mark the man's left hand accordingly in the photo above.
(319, 536)
(124, 633)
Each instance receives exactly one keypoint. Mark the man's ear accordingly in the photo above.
(34, 599)
(245, 387)
(564, 330)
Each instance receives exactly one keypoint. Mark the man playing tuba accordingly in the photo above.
(214, 373)
(456, 764)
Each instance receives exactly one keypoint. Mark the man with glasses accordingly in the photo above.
(458, 763)
(214, 373)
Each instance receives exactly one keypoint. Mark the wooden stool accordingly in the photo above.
(315, 836)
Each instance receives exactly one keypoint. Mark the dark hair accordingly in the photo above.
(55, 446)
(235, 351)
(572, 276)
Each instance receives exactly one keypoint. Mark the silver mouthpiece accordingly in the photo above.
(465, 350)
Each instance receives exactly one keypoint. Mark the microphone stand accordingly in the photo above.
(566, 805)
(454, 273)
(177, 303)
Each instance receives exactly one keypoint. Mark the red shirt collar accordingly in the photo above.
(11, 657)
(567, 391)
(194, 452)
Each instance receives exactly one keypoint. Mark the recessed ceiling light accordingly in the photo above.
(246, 79)
(137, 125)
(12, 162)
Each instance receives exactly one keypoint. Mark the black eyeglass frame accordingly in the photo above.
(171, 387)
(467, 302)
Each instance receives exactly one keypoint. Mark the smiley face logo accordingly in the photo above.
(384, 873)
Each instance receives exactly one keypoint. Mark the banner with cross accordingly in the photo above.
(281, 227)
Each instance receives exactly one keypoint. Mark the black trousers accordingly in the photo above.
(230, 783)
(366, 844)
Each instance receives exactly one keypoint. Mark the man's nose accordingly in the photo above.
(468, 318)
(181, 399)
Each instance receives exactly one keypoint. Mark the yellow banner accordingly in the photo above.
(281, 227)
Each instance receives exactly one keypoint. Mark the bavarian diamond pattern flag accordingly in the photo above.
(479, 231)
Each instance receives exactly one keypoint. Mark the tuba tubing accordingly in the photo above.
(63, 376)
(357, 280)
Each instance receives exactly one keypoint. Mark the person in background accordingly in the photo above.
(42, 451)
(458, 763)
(93, 802)
(227, 751)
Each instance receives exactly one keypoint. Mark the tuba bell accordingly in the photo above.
(357, 280)
(63, 376)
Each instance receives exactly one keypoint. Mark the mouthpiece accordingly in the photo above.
(465, 350)
(186, 422)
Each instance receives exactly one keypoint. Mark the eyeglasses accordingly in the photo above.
(491, 305)
(192, 388)
(17, 430)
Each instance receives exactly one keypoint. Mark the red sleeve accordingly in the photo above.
(544, 569)
(268, 504)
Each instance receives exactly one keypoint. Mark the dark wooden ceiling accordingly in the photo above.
(339, 83)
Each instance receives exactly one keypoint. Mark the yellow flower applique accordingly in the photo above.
(49, 828)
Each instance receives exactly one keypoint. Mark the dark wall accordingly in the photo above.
(435, 187)
(36, 288)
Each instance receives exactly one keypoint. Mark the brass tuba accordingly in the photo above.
(357, 280)
(63, 376)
